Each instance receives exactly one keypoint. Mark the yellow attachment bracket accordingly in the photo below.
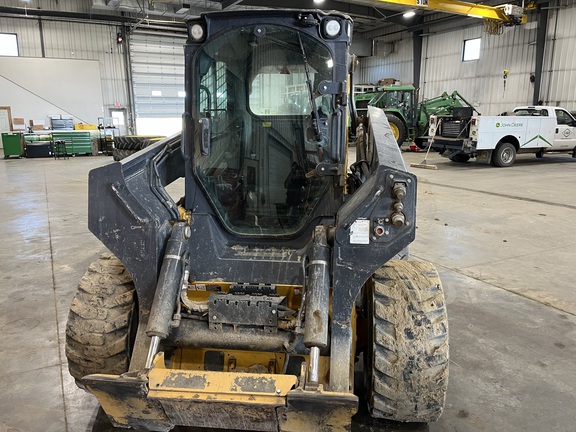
(267, 389)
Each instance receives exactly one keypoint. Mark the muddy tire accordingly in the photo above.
(407, 358)
(98, 332)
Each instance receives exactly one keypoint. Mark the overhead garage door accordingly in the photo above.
(157, 62)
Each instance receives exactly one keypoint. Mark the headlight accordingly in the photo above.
(197, 32)
(332, 28)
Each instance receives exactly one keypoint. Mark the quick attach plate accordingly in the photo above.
(244, 310)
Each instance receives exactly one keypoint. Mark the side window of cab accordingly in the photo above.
(563, 118)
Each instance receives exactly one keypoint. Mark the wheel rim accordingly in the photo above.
(395, 131)
(507, 155)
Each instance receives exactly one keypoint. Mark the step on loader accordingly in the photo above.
(247, 304)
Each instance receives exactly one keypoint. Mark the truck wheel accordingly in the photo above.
(407, 358)
(98, 332)
(460, 158)
(398, 128)
(504, 155)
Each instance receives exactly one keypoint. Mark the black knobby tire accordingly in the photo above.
(398, 128)
(504, 155)
(119, 154)
(407, 358)
(144, 143)
(126, 143)
(460, 158)
(98, 332)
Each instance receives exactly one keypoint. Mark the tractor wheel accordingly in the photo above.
(119, 154)
(407, 358)
(398, 128)
(504, 155)
(460, 158)
(98, 332)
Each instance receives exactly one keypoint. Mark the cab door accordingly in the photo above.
(565, 136)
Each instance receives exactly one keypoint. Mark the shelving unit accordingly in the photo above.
(109, 129)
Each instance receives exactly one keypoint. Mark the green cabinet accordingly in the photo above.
(76, 142)
(12, 143)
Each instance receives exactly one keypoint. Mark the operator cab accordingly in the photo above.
(262, 127)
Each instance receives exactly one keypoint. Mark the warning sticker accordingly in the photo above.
(360, 232)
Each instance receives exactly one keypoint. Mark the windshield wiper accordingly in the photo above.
(315, 119)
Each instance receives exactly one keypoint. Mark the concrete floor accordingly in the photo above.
(502, 239)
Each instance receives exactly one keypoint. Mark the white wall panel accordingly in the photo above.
(66, 87)
(76, 40)
(91, 42)
(397, 64)
(559, 78)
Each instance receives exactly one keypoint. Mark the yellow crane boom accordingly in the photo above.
(506, 14)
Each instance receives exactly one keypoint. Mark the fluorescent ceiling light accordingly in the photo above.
(409, 14)
(181, 93)
(318, 1)
(156, 93)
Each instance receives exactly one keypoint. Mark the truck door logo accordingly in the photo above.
(566, 133)
(497, 124)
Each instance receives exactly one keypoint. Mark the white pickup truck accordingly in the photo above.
(497, 139)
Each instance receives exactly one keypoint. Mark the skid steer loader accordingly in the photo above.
(247, 304)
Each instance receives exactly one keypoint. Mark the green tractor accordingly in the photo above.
(408, 119)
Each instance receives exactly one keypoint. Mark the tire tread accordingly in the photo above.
(410, 353)
(98, 327)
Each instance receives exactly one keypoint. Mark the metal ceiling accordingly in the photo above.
(364, 12)
(373, 18)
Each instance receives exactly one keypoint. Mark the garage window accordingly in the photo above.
(471, 49)
(8, 44)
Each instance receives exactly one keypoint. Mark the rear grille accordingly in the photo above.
(454, 129)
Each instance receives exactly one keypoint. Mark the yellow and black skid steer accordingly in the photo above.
(247, 303)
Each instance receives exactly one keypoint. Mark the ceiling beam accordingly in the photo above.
(353, 9)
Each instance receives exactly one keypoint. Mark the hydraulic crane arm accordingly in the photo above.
(505, 14)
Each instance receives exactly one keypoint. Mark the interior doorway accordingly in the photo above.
(119, 118)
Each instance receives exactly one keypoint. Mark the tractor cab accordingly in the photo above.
(399, 100)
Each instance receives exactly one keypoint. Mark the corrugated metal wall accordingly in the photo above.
(93, 42)
(385, 64)
(27, 32)
(442, 69)
(71, 40)
(83, 6)
(559, 78)
(481, 81)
